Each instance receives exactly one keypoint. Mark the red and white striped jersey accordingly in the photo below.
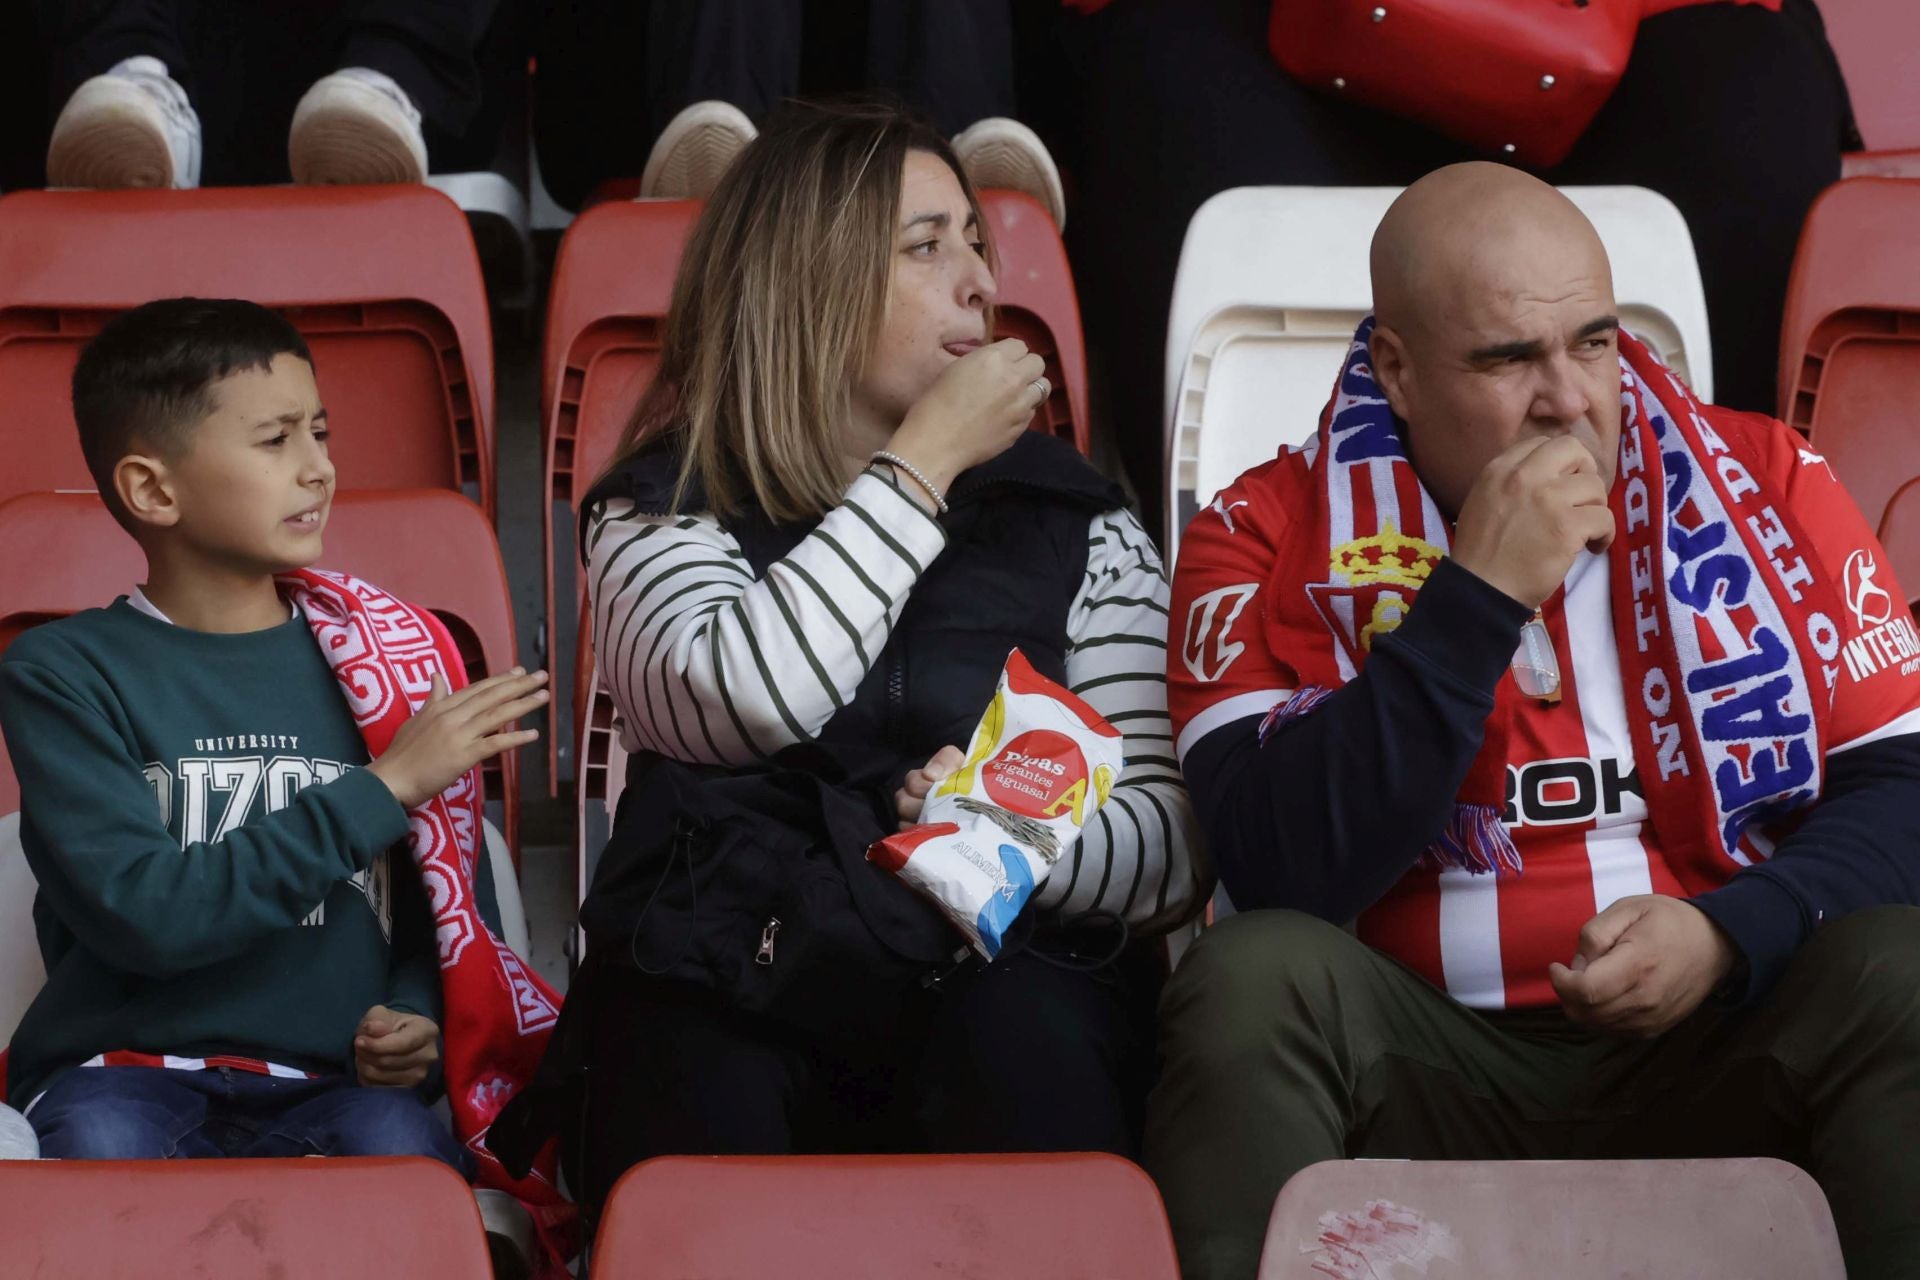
(1574, 805)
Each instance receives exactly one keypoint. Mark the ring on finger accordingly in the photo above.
(1044, 387)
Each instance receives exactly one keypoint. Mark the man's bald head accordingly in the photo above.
(1470, 229)
(1495, 320)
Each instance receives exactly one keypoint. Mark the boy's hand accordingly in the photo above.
(395, 1049)
(454, 732)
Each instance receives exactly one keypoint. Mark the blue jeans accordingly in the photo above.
(154, 1113)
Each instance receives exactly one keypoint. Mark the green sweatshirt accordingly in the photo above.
(213, 863)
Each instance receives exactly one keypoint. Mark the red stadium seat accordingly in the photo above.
(1032, 1217)
(600, 768)
(383, 281)
(431, 547)
(1569, 1219)
(1878, 42)
(1900, 537)
(613, 283)
(290, 1219)
(1850, 341)
(1038, 305)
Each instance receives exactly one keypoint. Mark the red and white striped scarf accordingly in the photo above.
(498, 1013)
(1730, 675)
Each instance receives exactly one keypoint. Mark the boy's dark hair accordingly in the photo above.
(148, 376)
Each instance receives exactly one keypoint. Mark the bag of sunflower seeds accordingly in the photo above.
(1041, 764)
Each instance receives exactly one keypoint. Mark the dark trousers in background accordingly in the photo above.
(245, 65)
(1734, 113)
(614, 72)
(1286, 1041)
(155, 1113)
(1021, 1056)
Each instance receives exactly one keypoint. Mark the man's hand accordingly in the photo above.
(396, 1049)
(911, 798)
(1643, 965)
(1529, 514)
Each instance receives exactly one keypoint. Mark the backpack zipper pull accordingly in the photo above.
(767, 935)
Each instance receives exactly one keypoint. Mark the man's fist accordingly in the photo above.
(1533, 509)
(396, 1049)
(1643, 965)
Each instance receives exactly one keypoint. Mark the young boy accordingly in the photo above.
(239, 963)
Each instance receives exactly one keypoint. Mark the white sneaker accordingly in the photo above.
(132, 127)
(998, 152)
(356, 126)
(694, 150)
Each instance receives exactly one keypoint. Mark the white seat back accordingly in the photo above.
(1273, 281)
(506, 891)
(21, 972)
(1570, 1219)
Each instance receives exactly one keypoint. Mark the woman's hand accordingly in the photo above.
(911, 798)
(974, 411)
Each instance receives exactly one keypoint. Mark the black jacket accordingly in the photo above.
(754, 882)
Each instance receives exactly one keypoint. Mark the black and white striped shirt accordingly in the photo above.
(689, 642)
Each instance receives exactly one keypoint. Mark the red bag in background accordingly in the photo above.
(1516, 78)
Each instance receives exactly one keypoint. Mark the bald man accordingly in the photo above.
(1555, 735)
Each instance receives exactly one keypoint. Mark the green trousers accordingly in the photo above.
(1286, 1041)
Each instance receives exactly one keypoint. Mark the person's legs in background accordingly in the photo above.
(120, 79)
(1738, 116)
(1172, 101)
(951, 59)
(615, 74)
(404, 72)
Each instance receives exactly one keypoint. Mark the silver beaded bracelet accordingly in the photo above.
(939, 499)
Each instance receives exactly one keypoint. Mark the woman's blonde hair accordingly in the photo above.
(779, 300)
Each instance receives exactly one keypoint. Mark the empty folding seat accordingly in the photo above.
(291, 1219)
(1018, 1217)
(612, 286)
(383, 281)
(1573, 1220)
(1878, 42)
(1273, 281)
(1850, 339)
(430, 547)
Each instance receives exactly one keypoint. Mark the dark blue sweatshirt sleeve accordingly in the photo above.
(1859, 847)
(1338, 805)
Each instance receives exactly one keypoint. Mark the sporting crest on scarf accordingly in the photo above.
(498, 1013)
(1724, 617)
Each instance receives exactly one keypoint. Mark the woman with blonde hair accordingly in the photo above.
(827, 526)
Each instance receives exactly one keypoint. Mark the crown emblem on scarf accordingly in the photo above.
(1388, 557)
